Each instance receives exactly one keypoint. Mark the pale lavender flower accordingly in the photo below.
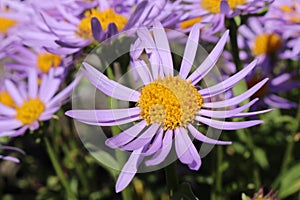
(33, 103)
(168, 107)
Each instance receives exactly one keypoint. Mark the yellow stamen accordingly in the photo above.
(171, 102)
(47, 60)
(106, 17)
(30, 111)
(266, 44)
(6, 24)
(190, 22)
(291, 13)
(213, 6)
(6, 99)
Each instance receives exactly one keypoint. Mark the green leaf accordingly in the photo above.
(290, 182)
(239, 88)
(261, 157)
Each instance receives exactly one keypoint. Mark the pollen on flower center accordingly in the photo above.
(6, 99)
(6, 24)
(30, 111)
(190, 22)
(47, 60)
(171, 102)
(106, 17)
(266, 44)
(213, 6)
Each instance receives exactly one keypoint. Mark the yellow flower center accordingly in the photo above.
(213, 6)
(84, 28)
(30, 111)
(262, 91)
(47, 60)
(171, 102)
(6, 99)
(189, 23)
(6, 24)
(266, 44)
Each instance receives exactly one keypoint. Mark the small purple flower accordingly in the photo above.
(32, 102)
(169, 106)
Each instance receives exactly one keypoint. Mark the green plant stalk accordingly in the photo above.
(127, 193)
(171, 178)
(288, 154)
(232, 26)
(218, 175)
(59, 170)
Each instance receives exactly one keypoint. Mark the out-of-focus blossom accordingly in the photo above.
(212, 13)
(23, 106)
(259, 38)
(168, 106)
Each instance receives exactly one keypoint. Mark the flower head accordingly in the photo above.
(25, 105)
(169, 105)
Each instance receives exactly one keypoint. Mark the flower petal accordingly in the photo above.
(14, 92)
(201, 137)
(156, 144)
(109, 87)
(143, 139)
(126, 136)
(189, 52)
(227, 125)
(210, 61)
(186, 150)
(129, 170)
(5, 110)
(161, 155)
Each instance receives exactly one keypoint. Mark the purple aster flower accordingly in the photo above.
(99, 23)
(212, 13)
(286, 15)
(168, 106)
(37, 58)
(33, 103)
(261, 39)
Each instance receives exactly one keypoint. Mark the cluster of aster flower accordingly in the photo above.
(40, 43)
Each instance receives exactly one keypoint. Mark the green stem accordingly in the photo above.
(232, 26)
(171, 178)
(59, 170)
(218, 177)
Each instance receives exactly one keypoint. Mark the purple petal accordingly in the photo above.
(163, 48)
(96, 29)
(278, 102)
(5, 110)
(109, 87)
(103, 116)
(238, 99)
(143, 71)
(210, 61)
(32, 83)
(227, 125)
(189, 52)
(186, 150)
(126, 136)
(9, 158)
(14, 92)
(201, 137)
(135, 16)
(156, 144)
(249, 114)
(9, 124)
(161, 155)
(49, 86)
(228, 83)
(112, 29)
(226, 113)
(129, 170)
(224, 7)
(143, 139)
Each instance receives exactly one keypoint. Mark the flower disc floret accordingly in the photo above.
(171, 102)
(30, 111)
(266, 44)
